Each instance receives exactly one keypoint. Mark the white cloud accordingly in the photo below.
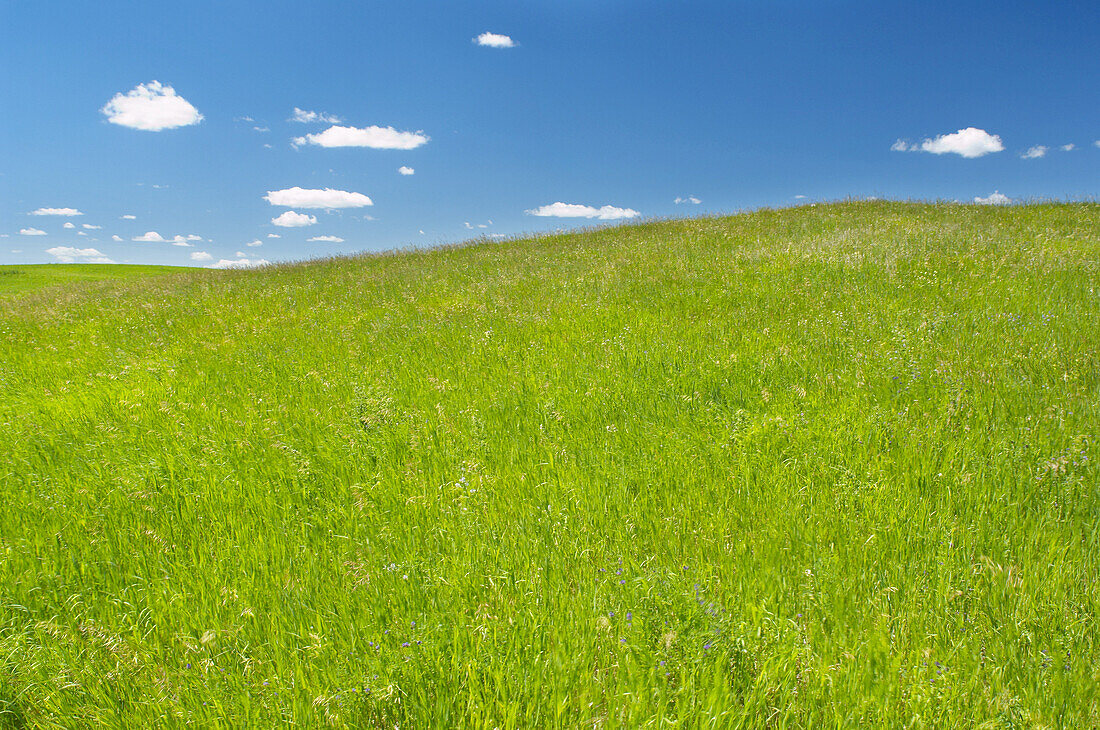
(902, 146)
(241, 263)
(1068, 147)
(90, 227)
(970, 142)
(152, 107)
(290, 219)
(116, 238)
(301, 115)
(201, 256)
(81, 233)
(128, 217)
(255, 243)
(31, 232)
(70, 255)
(56, 211)
(69, 224)
(406, 170)
(262, 129)
(328, 198)
(154, 237)
(494, 40)
(689, 199)
(800, 197)
(1097, 143)
(1035, 152)
(379, 138)
(327, 239)
(273, 235)
(571, 210)
(995, 198)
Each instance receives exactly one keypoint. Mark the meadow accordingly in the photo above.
(827, 466)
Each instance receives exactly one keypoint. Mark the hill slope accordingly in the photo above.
(815, 467)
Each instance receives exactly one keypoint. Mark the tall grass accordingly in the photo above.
(818, 467)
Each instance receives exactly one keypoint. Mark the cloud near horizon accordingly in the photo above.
(379, 138)
(154, 237)
(995, 198)
(970, 143)
(151, 107)
(327, 198)
(573, 210)
(241, 263)
(70, 255)
(495, 40)
(326, 239)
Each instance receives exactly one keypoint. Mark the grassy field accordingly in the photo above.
(36, 276)
(831, 466)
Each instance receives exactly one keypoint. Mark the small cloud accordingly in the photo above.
(69, 224)
(1034, 153)
(306, 117)
(116, 238)
(128, 217)
(995, 198)
(56, 211)
(241, 263)
(379, 138)
(970, 142)
(185, 241)
(572, 210)
(70, 255)
(31, 232)
(291, 219)
(421, 231)
(1068, 147)
(1097, 143)
(90, 227)
(405, 170)
(494, 40)
(328, 198)
(201, 256)
(273, 235)
(255, 243)
(689, 199)
(81, 233)
(262, 129)
(151, 107)
(326, 239)
(150, 237)
(800, 197)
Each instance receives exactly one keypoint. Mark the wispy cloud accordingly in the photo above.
(291, 219)
(254, 243)
(689, 199)
(273, 235)
(151, 107)
(1034, 153)
(326, 239)
(70, 255)
(1068, 147)
(379, 138)
(128, 217)
(307, 117)
(970, 142)
(90, 227)
(56, 211)
(306, 198)
(31, 232)
(573, 210)
(494, 40)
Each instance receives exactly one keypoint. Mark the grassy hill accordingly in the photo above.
(36, 276)
(830, 466)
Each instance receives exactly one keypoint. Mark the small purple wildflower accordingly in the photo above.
(405, 644)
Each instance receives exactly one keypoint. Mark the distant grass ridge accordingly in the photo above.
(27, 277)
(830, 466)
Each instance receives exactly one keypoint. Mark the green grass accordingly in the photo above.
(830, 466)
(36, 276)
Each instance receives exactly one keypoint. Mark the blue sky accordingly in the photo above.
(613, 108)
